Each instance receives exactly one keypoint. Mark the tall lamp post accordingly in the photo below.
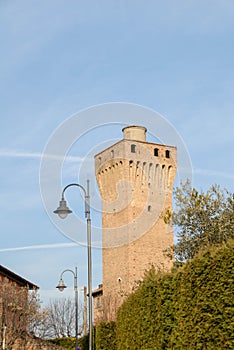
(63, 211)
(61, 286)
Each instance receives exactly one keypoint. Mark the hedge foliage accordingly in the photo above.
(204, 314)
(66, 343)
(190, 308)
(69, 343)
(106, 336)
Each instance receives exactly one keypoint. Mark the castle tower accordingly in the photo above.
(135, 180)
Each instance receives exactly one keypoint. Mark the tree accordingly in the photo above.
(59, 319)
(201, 219)
(37, 319)
(18, 309)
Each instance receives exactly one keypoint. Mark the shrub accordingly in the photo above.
(190, 308)
(106, 336)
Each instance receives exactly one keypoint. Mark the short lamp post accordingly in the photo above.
(63, 211)
(61, 286)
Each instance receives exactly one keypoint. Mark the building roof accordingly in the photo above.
(16, 278)
(98, 291)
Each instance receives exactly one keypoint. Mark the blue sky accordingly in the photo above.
(60, 57)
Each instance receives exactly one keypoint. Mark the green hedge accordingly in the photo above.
(106, 336)
(70, 343)
(66, 343)
(191, 308)
(204, 296)
(134, 321)
(147, 313)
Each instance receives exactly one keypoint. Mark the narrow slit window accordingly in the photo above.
(133, 148)
(167, 154)
(156, 152)
(149, 208)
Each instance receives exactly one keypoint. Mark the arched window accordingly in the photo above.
(167, 154)
(133, 148)
(156, 152)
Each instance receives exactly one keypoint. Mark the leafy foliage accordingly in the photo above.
(106, 336)
(145, 314)
(134, 320)
(84, 342)
(70, 343)
(66, 343)
(190, 308)
(202, 219)
(204, 293)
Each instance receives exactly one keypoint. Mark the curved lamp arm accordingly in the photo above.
(61, 285)
(63, 209)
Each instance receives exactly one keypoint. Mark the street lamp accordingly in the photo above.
(61, 286)
(63, 211)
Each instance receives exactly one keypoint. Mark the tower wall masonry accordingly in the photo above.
(135, 180)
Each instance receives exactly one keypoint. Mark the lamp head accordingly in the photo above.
(61, 286)
(62, 210)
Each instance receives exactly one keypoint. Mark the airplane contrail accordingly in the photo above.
(40, 246)
(36, 155)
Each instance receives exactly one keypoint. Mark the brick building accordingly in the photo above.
(135, 180)
(13, 305)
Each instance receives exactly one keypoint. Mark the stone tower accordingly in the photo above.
(135, 180)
